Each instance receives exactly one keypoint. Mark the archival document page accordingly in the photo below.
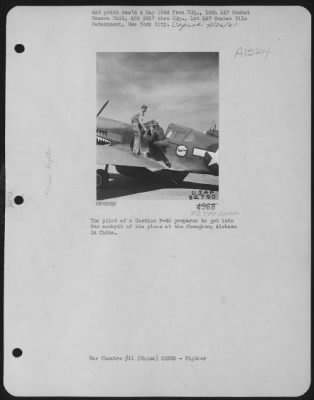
(157, 222)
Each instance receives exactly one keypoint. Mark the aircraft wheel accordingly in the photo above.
(102, 178)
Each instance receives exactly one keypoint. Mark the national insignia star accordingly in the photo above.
(214, 157)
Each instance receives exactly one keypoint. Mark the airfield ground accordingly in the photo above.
(128, 188)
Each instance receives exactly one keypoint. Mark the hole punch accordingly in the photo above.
(18, 200)
(19, 48)
(17, 352)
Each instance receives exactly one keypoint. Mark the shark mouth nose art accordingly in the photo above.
(102, 141)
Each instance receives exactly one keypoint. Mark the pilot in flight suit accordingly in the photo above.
(139, 129)
(158, 144)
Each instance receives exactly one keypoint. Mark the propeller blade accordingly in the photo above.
(100, 111)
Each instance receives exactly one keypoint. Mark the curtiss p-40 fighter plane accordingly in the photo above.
(171, 155)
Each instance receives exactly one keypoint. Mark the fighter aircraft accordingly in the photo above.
(181, 151)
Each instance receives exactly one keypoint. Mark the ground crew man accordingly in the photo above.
(139, 129)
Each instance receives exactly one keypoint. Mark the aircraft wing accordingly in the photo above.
(118, 154)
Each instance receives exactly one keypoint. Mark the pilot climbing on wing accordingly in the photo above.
(158, 143)
(139, 129)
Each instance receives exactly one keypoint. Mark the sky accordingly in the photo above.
(177, 87)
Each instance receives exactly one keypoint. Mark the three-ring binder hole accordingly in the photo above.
(19, 48)
(18, 200)
(17, 352)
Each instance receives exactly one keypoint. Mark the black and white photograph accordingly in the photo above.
(157, 134)
(185, 273)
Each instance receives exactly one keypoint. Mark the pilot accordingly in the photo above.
(139, 129)
(158, 144)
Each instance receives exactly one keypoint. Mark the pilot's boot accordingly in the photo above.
(166, 161)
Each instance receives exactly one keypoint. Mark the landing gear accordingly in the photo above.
(102, 177)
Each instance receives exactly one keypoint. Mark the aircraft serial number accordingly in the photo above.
(202, 195)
